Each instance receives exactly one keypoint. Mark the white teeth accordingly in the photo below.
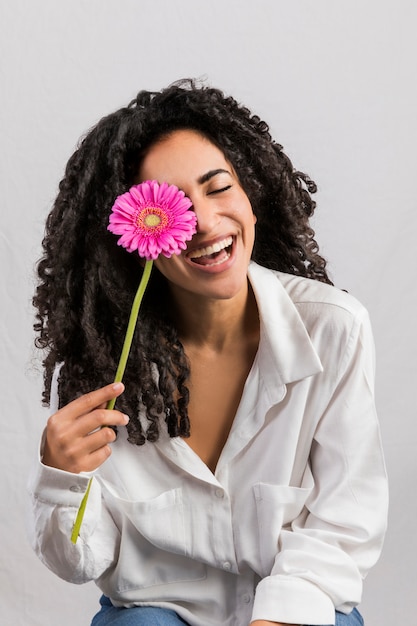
(216, 247)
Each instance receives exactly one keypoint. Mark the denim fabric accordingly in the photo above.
(110, 615)
(353, 619)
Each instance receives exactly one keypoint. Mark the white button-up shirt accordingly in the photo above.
(294, 515)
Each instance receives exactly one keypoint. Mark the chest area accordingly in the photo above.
(216, 388)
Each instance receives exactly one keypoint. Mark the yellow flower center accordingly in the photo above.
(152, 220)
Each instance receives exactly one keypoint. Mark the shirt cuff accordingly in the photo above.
(292, 600)
(58, 487)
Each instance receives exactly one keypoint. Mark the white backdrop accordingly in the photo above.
(336, 82)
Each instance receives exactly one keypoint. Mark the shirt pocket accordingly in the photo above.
(160, 520)
(277, 506)
(155, 544)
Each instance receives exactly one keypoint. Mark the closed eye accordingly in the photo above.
(215, 191)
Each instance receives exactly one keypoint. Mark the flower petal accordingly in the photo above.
(133, 218)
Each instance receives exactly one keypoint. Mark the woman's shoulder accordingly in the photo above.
(330, 315)
(306, 291)
(316, 302)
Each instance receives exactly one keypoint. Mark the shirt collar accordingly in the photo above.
(286, 352)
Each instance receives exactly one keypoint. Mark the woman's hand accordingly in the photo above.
(263, 622)
(75, 438)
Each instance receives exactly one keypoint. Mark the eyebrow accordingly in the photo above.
(208, 175)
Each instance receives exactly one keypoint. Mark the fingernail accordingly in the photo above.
(127, 418)
(117, 386)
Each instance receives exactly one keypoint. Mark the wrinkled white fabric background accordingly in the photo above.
(336, 81)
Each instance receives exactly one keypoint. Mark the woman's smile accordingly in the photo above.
(212, 255)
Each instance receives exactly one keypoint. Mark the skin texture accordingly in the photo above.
(262, 622)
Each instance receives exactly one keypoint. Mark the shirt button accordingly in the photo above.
(77, 488)
(246, 598)
(219, 493)
(227, 566)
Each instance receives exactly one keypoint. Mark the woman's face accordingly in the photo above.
(215, 263)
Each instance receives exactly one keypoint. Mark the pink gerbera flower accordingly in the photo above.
(153, 219)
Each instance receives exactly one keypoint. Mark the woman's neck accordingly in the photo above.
(216, 324)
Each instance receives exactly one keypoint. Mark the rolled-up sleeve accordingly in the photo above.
(55, 497)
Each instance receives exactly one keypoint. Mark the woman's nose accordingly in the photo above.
(207, 216)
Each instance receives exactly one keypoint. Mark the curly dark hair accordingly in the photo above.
(87, 283)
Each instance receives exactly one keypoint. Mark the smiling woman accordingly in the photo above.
(247, 485)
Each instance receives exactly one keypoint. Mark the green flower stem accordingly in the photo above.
(131, 327)
(118, 378)
(80, 514)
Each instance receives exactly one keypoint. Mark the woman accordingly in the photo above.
(247, 485)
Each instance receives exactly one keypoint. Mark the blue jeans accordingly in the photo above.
(353, 619)
(110, 615)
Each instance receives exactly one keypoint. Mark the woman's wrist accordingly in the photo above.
(263, 622)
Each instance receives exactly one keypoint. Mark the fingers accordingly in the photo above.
(92, 400)
(98, 418)
(76, 439)
(86, 453)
